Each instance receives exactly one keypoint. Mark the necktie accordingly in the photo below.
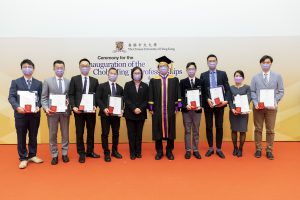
(29, 84)
(213, 79)
(60, 86)
(266, 78)
(192, 83)
(84, 86)
(113, 89)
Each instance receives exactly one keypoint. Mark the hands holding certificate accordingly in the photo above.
(241, 105)
(86, 105)
(27, 102)
(193, 99)
(115, 106)
(266, 99)
(217, 97)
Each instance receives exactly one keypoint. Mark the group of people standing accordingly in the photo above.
(163, 97)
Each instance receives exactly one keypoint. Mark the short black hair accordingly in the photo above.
(134, 69)
(58, 62)
(265, 57)
(84, 59)
(112, 68)
(239, 72)
(191, 63)
(27, 61)
(211, 56)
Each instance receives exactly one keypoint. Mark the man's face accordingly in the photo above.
(27, 69)
(266, 65)
(212, 63)
(59, 69)
(84, 67)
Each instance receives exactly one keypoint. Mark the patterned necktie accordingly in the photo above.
(60, 86)
(213, 79)
(266, 78)
(113, 89)
(29, 84)
(84, 86)
(192, 83)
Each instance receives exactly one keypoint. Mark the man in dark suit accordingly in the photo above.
(109, 88)
(136, 102)
(79, 85)
(26, 122)
(191, 116)
(211, 79)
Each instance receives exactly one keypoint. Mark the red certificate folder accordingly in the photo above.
(28, 108)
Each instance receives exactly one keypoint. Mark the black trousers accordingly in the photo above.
(219, 114)
(28, 124)
(82, 120)
(159, 145)
(106, 123)
(134, 132)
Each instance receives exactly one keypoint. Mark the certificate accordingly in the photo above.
(216, 95)
(193, 98)
(87, 103)
(115, 105)
(242, 102)
(267, 96)
(27, 100)
(59, 101)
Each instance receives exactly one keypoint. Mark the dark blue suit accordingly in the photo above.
(26, 122)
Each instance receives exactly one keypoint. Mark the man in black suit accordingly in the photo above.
(79, 85)
(136, 102)
(191, 116)
(211, 79)
(26, 121)
(109, 88)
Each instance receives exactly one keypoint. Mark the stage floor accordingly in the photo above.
(145, 178)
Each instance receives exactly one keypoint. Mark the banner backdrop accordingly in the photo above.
(125, 53)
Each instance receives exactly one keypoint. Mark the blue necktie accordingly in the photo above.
(213, 79)
(113, 89)
(84, 86)
(29, 84)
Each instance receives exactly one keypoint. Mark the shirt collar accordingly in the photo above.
(82, 76)
(112, 82)
(212, 71)
(264, 73)
(26, 79)
(56, 77)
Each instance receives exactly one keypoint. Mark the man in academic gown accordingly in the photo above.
(164, 102)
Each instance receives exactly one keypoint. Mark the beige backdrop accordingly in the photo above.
(233, 53)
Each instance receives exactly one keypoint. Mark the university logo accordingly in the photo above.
(119, 47)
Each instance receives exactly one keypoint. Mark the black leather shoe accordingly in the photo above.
(209, 153)
(107, 158)
(159, 156)
(220, 154)
(197, 154)
(116, 154)
(170, 155)
(92, 155)
(270, 156)
(240, 153)
(235, 151)
(54, 161)
(187, 155)
(65, 158)
(138, 155)
(81, 158)
(132, 157)
(257, 154)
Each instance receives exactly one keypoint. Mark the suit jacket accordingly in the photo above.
(50, 87)
(76, 87)
(21, 85)
(103, 91)
(222, 79)
(185, 84)
(258, 83)
(134, 99)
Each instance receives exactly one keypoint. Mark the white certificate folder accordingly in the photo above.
(115, 105)
(58, 100)
(27, 98)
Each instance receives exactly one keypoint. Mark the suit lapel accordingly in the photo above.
(108, 88)
(24, 83)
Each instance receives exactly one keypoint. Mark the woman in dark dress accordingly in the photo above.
(238, 121)
(135, 112)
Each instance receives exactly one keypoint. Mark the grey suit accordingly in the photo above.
(266, 115)
(50, 86)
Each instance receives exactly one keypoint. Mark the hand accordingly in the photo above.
(233, 111)
(210, 103)
(256, 107)
(94, 109)
(67, 102)
(271, 107)
(198, 108)
(151, 112)
(48, 111)
(37, 109)
(106, 111)
(137, 111)
(75, 109)
(188, 107)
(223, 103)
(20, 110)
